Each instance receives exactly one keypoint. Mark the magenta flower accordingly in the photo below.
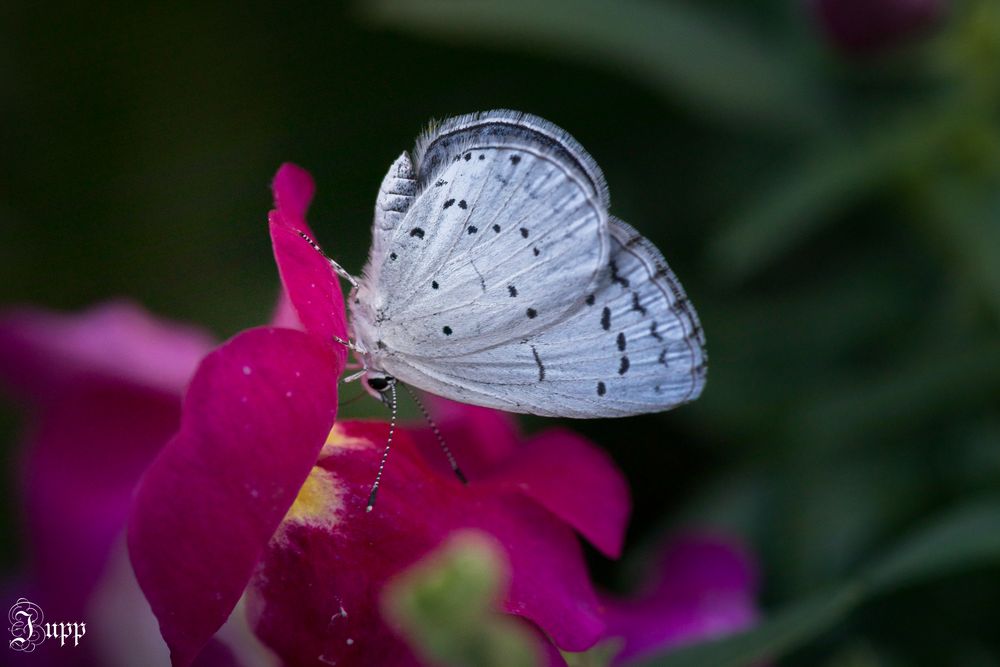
(248, 489)
(254, 419)
(702, 586)
(317, 589)
(861, 27)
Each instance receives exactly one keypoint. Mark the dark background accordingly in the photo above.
(835, 219)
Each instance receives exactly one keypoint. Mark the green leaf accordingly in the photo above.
(800, 203)
(965, 225)
(966, 538)
(808, 196)
(446, 605)
(678, 49)
(937, 379)
(602, 655)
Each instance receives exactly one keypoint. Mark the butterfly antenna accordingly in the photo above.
(337, 268)
(440, 438)
(385, 454)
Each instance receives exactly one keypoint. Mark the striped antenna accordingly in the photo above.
(385, 454)
(440, 438)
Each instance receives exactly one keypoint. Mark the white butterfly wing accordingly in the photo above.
(633, 345)
(504, 282)
(508, 227)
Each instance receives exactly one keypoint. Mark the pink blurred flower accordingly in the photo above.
(701, 586)
(861, 27)
(104, 392)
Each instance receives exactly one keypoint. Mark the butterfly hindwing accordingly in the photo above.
(632, 345)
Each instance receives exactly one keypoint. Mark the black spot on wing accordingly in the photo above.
(621, 280)
(468, 156)
(636, 306)
(531, 313)
(448, 203)
(446, 330)
(473, 229)
(590, 300)
(524, 232)
(462, 204)
(434, 284)
(601, 389)
(663, 358)
(514, 159)
(393, 256)
(440, 182)
(623, 367)
(512, 290)
(482, 156)
(535, 252)
(606, 318)
(496, 228)
(621, 341)
(538, 360)
(416, 231)
(654, 333)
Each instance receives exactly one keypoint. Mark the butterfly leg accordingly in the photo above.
(359, 351)
(356, 376)
(349, 344)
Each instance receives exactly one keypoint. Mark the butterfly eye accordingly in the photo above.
(378, 384)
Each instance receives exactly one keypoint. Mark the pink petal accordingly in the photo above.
(311, 285)
(574, 480)
(42, 352)
(704, 587)
(293, 190)
(255, 417)
(284, 314)
(320, 580)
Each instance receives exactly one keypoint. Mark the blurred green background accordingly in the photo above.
(835, 220)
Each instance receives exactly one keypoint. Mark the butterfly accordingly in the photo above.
(497, 277)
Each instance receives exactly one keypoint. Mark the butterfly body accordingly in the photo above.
(498, 277)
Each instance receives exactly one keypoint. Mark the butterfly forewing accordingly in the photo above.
(497, 245)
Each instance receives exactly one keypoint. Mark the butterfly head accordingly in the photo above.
(379, 384)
